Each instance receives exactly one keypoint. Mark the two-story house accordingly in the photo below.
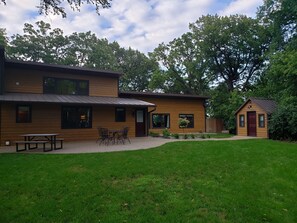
(74, 101)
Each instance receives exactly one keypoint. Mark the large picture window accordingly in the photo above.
(23, 114)
(190, 118)
(74, 117)
(161, 120)
(120, 114)
(53, 85)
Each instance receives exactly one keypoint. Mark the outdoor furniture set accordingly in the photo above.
(31, 141)
(113, 136)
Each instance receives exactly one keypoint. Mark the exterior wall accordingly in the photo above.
(174, 107)
(250, 107)
(31, 81)
(46, 118)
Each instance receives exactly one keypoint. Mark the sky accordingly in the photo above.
(139, 24)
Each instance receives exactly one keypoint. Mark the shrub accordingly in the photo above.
(183, 123)
(282, 125)
(192, 136)
(186, 136)
(176, 136)
(166, 133)
(202, 136)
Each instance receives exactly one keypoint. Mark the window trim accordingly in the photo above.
(125, 114)
(77, 107)
(17, 112)
(77, 81)
(241, 124)
(259, 115)
(160, 127)
(188, 125)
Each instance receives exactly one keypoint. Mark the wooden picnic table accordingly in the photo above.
(40, 138)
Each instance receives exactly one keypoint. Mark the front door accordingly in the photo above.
(251, 124)
(140, 122)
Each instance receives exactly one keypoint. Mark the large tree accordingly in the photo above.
(56, 6)
(184, 69)
(233, 47)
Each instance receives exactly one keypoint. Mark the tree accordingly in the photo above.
(280, 16)
(184, 69)
(233, 47)
(55, 6)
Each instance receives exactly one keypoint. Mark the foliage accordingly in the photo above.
(280, 17)
(180, 182)
(186, 136)
(282, 125)
(55, 6)
(166, 133)
(233, 47)
(184, 69)
(175, 135)
(192, 136)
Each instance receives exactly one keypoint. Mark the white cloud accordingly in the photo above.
(141, 24)
(246, 7)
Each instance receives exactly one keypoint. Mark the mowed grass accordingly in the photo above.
(208, 181)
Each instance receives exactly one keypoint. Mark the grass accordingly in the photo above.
(204, 181)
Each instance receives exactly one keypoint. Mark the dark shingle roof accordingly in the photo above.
(267, 105)
(73, 99)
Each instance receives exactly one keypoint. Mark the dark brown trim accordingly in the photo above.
(193, 120)
(17, 120)
(259, 120)
(160, 114)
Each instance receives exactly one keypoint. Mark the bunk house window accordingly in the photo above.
(161, 120)
(189, 117)
(52, 85)
(241, 120)
(120, 114)
(74, 117)
(261, 120)
(23, 114)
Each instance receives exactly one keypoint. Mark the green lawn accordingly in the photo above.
(204, 181)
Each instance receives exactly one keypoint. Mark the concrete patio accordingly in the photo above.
(93, 147)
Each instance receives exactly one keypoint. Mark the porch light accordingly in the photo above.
(7, 143)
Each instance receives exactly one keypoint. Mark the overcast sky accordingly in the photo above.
(140, 24)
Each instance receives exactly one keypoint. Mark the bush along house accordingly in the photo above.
(74, 101)
(253, 117)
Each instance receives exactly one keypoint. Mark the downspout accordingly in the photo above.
(2, 64)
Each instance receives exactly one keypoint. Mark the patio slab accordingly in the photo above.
(93, 147)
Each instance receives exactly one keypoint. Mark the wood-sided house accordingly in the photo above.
(253, 117)
(74, 101)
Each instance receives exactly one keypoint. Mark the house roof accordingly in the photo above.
(60, 68)
(267, 105)
(165, 95)
(73, 99)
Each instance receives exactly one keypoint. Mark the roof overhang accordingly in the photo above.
(60, 68)
(73, 99)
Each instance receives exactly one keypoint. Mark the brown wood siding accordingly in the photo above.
(175, 107)
(27, 81)
(249, 107)
(46, 118)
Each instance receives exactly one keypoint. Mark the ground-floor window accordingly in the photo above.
(120, 114)
(74, 117)
(23, 113)
(261, 120)
(241, 120)
(190, 118)
(161, 120)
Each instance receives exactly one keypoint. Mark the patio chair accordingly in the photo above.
(104, 136)
(124, 135)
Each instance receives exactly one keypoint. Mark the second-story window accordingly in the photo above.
(52, 85)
